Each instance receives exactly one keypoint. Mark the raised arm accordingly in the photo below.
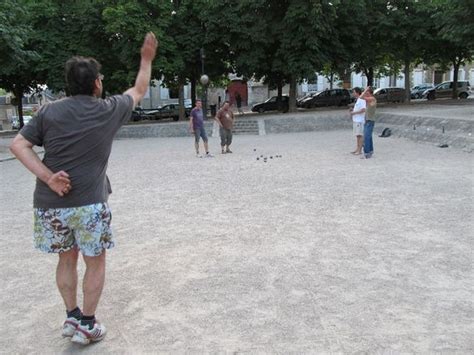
(148, 52)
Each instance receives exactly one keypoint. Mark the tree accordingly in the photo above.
(455, 41)
(278, 41)
(17, 58)
(406, 28)
(359, 39)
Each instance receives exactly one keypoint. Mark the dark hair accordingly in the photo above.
(81, 74)
(357, 90)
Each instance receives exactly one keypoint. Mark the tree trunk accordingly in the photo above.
(182, 114)
(407, 80)
(193, 91)
(456, 65)
(369, 74)
(279, 95)
(293, 88)
(19, 97)
(331, 80)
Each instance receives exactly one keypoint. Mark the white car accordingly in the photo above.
(15, 120)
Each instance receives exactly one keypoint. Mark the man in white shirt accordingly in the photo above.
(358, 119)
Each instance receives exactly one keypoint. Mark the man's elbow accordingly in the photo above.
(18, 145)
(14, 147)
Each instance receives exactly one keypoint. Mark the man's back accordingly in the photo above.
(77, 134)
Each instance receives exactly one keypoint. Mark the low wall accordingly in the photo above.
(297, 123)
(454, 132)
(172, 129)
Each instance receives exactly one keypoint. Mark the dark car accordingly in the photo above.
(172, 111)
(272, 105)
(445, 90)
(139, 114)
(417, 91)
(390, 95)
(333, 97)
(300, 102)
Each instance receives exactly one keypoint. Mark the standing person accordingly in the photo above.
(196, 125)
(71, 213)
(368, 96)
(358, 118)
(225, 119)
(238, 101)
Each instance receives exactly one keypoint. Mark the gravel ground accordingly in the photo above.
(317, 251)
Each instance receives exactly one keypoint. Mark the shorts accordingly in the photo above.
(200, 132)
(358, 128)
(57, 230)
(226, 136)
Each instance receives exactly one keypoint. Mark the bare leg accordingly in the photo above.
(360, 142)
(66, 277)
(93, 282)
(206, 147)
(196, 146)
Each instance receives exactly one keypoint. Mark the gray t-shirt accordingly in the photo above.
(77, 134)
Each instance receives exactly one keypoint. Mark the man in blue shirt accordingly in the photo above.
(196, 125)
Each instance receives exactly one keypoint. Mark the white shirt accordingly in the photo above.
(359, 105)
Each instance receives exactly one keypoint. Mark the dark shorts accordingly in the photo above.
(200, 132)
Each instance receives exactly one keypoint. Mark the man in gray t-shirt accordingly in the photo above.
(71, 213)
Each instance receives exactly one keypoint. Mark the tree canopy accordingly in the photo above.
(279, 41)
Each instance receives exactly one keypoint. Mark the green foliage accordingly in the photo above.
(280, 41)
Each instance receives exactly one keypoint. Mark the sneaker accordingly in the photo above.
(209, 155)
(198, 155)
(83, 335)
(69, 327)
(228, 151)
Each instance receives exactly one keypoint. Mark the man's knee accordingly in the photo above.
(69, 256)
(95, 261)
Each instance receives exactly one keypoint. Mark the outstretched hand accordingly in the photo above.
(149, 47)
(60, 183)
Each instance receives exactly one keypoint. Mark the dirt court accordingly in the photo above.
(314, 252)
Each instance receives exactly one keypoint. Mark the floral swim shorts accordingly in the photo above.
(57, 230)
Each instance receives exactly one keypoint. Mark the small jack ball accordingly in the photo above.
(258, 158)
(254, 149)
(271, 157)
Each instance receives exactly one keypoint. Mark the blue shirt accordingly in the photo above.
(198, 118)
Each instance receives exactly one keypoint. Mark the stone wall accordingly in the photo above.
(172, 129)
(454, 132)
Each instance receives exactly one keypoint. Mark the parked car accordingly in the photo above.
(304, 98)
(333, 97)
(272, 105)
(417, 91)
(390, 94)
(139, 114)
(445, 90)
(300, 102)
(172, 111)
(15, 121)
